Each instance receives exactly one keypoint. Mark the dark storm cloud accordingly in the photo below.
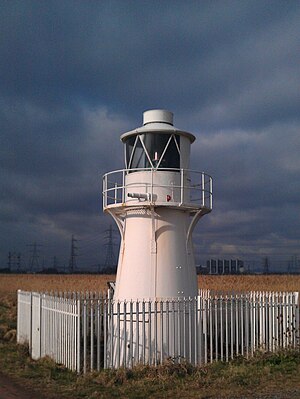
(74, 75)
(131, 52)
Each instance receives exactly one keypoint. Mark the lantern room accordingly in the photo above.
(157, 144)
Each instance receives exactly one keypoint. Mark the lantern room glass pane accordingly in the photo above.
(171, 158)
(139, 159)
(129, 144)
(155, 145)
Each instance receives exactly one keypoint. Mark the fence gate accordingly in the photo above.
(36, 326)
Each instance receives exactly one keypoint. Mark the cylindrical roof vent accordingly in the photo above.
(157, 116)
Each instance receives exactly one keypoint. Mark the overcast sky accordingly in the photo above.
(74, 75)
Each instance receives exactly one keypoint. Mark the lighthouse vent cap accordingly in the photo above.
(158, 116)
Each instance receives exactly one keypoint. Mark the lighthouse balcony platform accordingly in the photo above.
(178, 188)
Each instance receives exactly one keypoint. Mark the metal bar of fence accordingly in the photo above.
(190, 329)
(236, 305)
(221, 301)
(216, 327)
(138, 332)
(144, 332)
(105, 329)
(84, 335)
(205, 333)
(155, 333)
(274, 315)
(200, 320)
(284, 320)
(124, 352)
(161, 320)
(61, 334)
(226, 329)
(131, 354)
(211, 331)
(150, 333)
(242, 323)
(118, 335)
(98, 333)
(252, 324)
(183, 329)
(290, 320)
(270, 323)
(92, 333)
(294, 315)
(260, 322)
(246, 302)
(256, 333)
(168, 326)
(176, 350)
(231, 325)
(196, 335)
(78, 336)
(68, 324)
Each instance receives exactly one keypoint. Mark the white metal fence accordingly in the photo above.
(88, 331)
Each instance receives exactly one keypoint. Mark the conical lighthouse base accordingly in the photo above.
(155, 260)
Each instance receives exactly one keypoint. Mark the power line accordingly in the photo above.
(34, 259)
(266, 265)
(14, 261)
(110, 259)
(72, 261)
(55, 264)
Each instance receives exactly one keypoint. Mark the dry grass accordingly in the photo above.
(270, 282)
(36, 282)
(54, 282)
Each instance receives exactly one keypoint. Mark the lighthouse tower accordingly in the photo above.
(156, 201)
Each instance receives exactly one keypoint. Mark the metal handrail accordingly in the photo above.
(114, 189)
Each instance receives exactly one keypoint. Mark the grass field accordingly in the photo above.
(265, 376)
(77, 282)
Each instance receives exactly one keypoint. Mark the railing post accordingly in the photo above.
(123, 186)
(104, 182)
(116, 192)
(181, 186)
(203, 188)
(210, 193)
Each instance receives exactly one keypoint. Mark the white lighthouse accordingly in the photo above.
(156, 202)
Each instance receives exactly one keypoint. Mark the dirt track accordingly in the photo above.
(9, 389)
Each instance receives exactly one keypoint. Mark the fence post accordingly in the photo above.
(36, 326)
(78, 335)
(18, 315)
